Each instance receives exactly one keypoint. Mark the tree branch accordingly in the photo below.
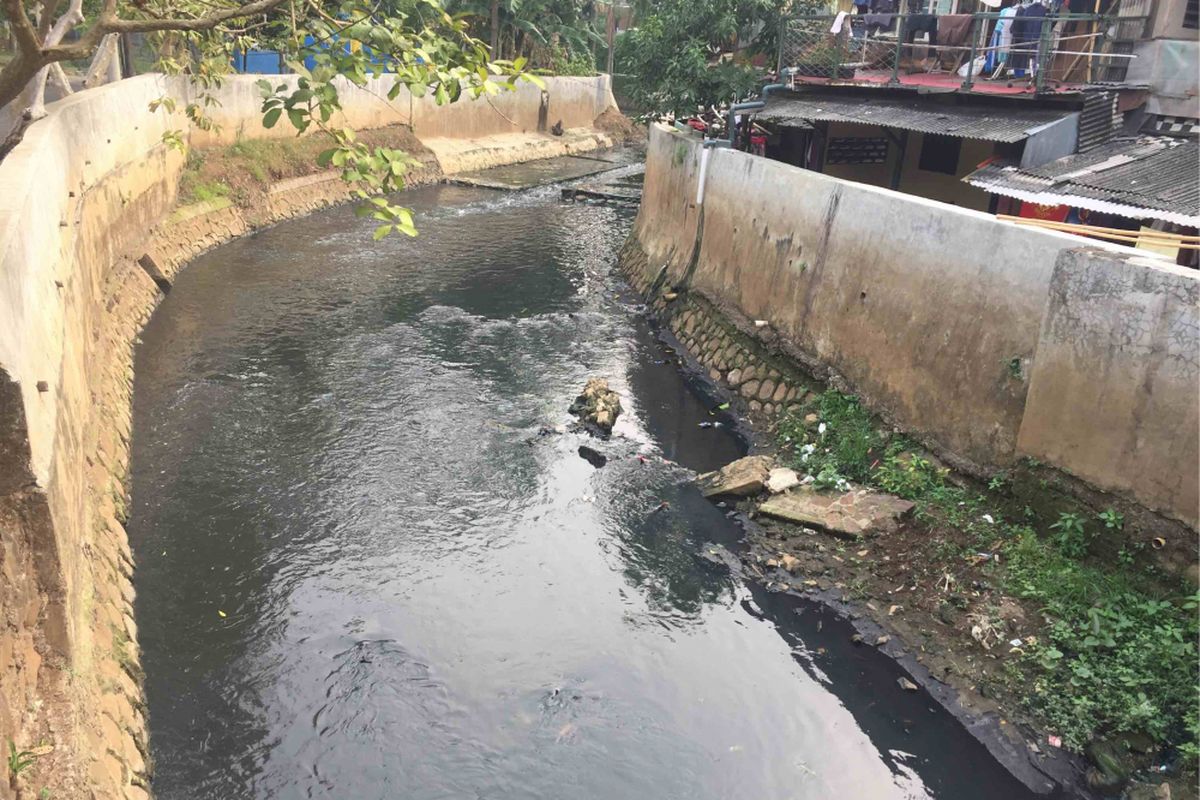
(22, 28)
(205, 23)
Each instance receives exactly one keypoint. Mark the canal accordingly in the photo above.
(370, 564)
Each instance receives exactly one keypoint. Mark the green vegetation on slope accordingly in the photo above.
(1115, 650)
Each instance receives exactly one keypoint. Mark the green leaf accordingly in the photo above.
(271, 117)
(381, 231)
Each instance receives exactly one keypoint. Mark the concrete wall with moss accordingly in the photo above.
(86, 226)
(988, 340)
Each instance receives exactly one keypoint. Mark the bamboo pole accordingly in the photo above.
(1183, 241)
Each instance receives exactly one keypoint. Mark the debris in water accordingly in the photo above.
(663, 506)
(743, 477)
(722, 407)
(1054, 741)
(907, 685)
(592, 456)
(221, 614)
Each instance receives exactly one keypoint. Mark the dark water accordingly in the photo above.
(362, 574)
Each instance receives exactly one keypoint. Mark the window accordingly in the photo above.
(940, 153)
(857, 151)
(1191, 14)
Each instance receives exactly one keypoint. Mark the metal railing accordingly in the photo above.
(1043, 53)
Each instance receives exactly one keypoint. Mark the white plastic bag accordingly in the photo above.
(972, 68)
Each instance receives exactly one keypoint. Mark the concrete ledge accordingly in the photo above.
(1113, 390)
(501, 149)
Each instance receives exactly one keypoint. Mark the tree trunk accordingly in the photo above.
(495, 27)
(36, 108)
(612, 35)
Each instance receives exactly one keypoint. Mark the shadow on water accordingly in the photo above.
(363, 570)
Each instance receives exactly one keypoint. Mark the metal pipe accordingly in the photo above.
(752, 105)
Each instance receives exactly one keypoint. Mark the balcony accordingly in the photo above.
(1051, 55)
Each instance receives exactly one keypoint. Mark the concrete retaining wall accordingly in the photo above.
(988, 340)
(85, 201)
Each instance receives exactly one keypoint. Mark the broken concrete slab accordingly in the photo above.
(744, 477)
(852, 514)
(781, 479)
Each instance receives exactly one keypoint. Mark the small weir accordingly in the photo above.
(370, 567)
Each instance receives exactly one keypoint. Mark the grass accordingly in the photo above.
(1117, 651)
(19, 760)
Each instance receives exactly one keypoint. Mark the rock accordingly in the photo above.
(768, 409)
(882, 640)
(597, 405)
(781, 479)
(749, 389)
(811, 419)
(755, 405)
(744, 477)
(906, 684)
(734, 378)
(1149, 791)
(766, 390)
(780, 393)
(593, 457)
(1112, 766)
(860, 512)
(790, 563)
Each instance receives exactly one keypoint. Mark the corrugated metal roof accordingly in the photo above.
(1144, 177)
(992, 123)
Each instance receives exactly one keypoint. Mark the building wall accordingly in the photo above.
(937, 316)
(85, 200)
(914, 180)
(1167, 21)
(943, 187)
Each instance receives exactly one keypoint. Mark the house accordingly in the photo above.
(1029, 109)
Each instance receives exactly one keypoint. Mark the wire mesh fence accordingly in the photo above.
(963, 50)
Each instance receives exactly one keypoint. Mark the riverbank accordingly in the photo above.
(1069, 642)
(91, 236)
(531, 623)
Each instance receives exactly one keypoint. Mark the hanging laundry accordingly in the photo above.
(954, 29)
(918, 23)
(1001, 40)
(882, 16)
(1027, 30)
